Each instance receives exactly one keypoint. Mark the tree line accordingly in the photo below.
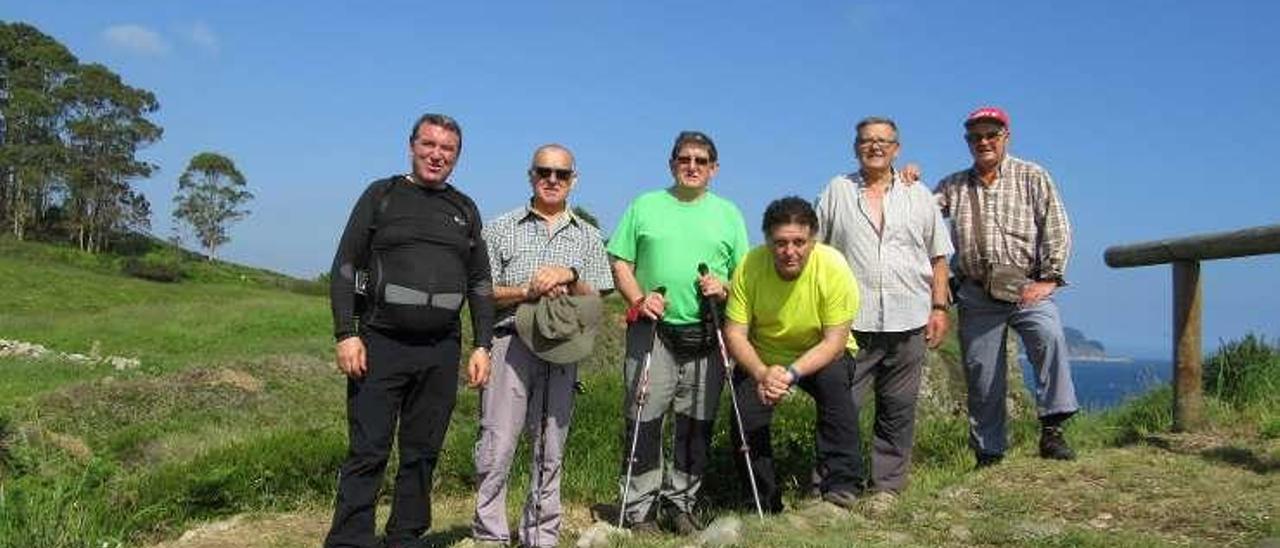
(70, 134)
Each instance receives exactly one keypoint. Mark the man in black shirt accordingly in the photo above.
(412, 248)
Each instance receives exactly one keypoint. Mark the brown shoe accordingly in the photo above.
(684, 524)
(647, 527)
(1053, 445)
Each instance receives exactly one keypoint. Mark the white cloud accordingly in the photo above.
(203, 37)
(135, 39)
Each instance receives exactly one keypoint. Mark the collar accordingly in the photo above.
(1001, 169)
(530, 213)
(859, 182)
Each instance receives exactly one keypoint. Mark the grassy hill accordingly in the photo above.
(232, 426)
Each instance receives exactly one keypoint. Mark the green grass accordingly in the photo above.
(237, 408)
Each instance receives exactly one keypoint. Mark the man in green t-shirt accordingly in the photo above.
(659, 243)
(790, 307)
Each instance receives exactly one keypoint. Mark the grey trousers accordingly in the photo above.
(691, 389)
(511, 403)
(890, 363)
(982, 342)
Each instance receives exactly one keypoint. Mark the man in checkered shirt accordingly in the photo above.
(536, 250)
(1010, 209)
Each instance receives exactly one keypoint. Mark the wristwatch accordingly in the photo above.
(795, 374)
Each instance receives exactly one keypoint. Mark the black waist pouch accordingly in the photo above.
(687, 342)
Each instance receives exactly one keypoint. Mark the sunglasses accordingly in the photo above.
(882, 143)
(980, 137)
(552, 173)
(702, 161)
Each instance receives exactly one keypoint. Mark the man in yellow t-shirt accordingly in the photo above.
(790, 307)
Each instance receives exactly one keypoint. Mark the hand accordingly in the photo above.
(712, 287)
(547, 278)
(1035, 292)
(653, 306)
(911, 174)
(763, 393)
(478, 368)
(351, 357)
(936, 328)
(776, 383)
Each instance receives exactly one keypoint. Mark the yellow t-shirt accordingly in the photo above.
(784, 318)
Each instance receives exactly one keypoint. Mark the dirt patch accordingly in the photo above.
(235, 379)
(256, 531)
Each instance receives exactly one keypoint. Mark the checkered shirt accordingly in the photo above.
(1023, 220)
(519, 242)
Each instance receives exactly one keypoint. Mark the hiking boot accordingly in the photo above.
(986, 460)
(684, 524)
(647, 527)
(1053, 445)
(843, 499)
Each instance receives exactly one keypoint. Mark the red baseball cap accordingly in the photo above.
(994, 114)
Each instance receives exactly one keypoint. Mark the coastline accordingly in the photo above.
(1106, 359)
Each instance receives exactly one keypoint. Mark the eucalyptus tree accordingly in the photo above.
(106, 124)
(211, 193)
(32, 156)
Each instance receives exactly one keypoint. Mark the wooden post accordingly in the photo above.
(1188, 397)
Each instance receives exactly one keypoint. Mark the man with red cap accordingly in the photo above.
(1012, 241)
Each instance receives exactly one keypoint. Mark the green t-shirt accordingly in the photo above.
(785, 318)
(666, 238)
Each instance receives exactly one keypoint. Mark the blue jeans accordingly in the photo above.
(982, 343)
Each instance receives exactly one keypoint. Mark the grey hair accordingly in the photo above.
(874, 120)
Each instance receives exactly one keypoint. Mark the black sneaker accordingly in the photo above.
(843, 499)
(406, 543)
(1053, 445)
(684, 524)
(988, 459)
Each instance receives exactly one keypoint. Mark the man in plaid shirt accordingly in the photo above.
(1006, 213)
(539, 249)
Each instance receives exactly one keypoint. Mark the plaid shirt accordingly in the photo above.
(519, 242)
(1023, 221)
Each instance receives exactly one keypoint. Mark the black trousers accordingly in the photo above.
(415, 381)
(837, 432)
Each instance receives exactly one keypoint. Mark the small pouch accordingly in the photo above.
(1005, 282)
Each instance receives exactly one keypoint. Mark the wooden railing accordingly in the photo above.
(1185, 255)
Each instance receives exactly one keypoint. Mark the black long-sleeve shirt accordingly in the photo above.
(427, 236)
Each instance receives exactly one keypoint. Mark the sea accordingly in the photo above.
(1105, 384)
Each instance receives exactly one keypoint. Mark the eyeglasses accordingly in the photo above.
(974, 138)
(552, 173)
(882, 143)
(702, 161)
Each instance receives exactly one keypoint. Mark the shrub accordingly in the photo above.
(157, 267)
(1244, 372)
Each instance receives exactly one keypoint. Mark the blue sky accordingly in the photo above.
(1156, 118)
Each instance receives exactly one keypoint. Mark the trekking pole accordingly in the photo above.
(745, 449)
(642, 394)
(541, 460)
